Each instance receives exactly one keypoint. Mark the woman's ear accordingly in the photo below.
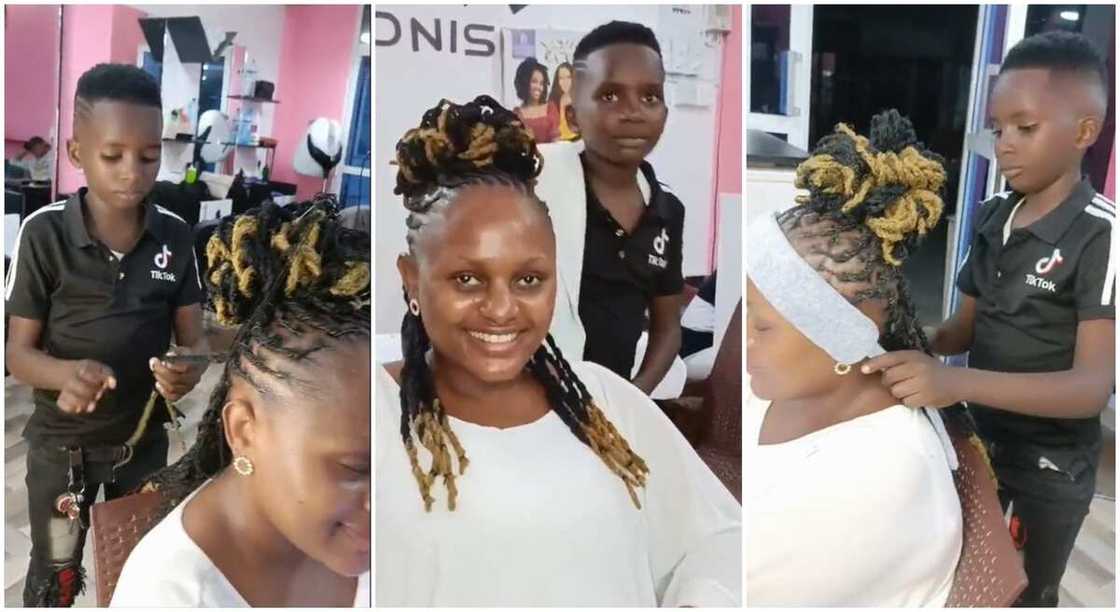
(410, 275)
(240, 424)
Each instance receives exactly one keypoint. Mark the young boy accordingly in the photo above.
(630, 231)
(1037, 313)
(99, 283)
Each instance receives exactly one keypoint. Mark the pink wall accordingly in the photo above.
(30, 73)
(316, 61)
(93, 34)
(729, 126)
(1110, 182)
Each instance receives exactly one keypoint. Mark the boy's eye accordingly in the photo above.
(1027, 129)
(651, 98)
(609, 96)
(529, 280)
(467, 280)
(110, 157)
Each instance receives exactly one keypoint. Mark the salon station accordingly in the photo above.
(259, 103)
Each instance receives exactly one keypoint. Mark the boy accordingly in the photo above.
(628, 256)
(1037, 313)
(99, 283)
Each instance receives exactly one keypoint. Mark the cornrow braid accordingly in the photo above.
(275, 273)
(870, 202)
(455, 148)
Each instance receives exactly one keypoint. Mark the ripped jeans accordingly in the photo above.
(55, 575)
(1050, 490)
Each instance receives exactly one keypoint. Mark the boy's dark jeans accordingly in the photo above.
(1050, 504)
(55, 576)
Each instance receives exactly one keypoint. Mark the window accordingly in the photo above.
(356, 173)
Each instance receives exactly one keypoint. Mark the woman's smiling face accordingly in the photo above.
(484, 274)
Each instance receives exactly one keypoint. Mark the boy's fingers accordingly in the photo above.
(897, 374)
(886, 361)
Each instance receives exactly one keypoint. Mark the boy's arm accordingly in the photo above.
(954, 336)
(80, 382)
(664, 341)
(1079, 392)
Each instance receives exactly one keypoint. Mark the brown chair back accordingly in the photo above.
(721, 444)
(990, 572)
(117, 527)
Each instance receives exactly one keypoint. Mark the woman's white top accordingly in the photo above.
(863, 513)
(542, 521)
(167, 569)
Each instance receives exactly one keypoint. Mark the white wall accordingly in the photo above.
(260, 29)
(409, 82)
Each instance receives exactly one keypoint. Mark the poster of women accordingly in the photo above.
(537, 80)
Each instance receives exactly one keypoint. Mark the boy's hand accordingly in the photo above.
(916, 379)
(174, 380)
(85, 387)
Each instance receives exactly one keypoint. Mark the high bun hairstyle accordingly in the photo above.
(454, 148)
(870, 203)
(276, 273)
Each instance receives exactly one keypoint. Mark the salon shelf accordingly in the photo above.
(227, 144)
(252, 99)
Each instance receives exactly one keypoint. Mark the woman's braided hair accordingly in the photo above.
(277, 273)
(456, 147)
(870, 203)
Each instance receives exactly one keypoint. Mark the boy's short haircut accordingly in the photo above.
(613, 33)
(1058, 51)
(118, 83)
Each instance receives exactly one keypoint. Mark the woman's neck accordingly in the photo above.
(258, 541)
(508, 403)
(845, 402)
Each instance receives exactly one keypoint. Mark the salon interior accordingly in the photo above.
(260, 103)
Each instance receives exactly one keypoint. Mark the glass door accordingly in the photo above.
(780, 40)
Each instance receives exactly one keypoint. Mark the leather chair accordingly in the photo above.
(117, 527)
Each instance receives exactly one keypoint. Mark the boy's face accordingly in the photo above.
(1043, 123)
(618, 100)
(117, 146)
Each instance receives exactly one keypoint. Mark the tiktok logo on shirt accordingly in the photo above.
(162, 260)
(1044, 267)
(659, 245)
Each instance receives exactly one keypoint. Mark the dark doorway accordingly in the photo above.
(917, 59)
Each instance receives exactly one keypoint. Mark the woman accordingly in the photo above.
(34, 159)
(508, 476)
(560, 102)
(272, 503)
(851, 495)
(531, 84)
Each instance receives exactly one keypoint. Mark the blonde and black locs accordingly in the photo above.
(294, 281)
(454, 148)
(870, 202)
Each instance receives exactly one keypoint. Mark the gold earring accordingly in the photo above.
(414, 307)
(243, 465)
(842, 368)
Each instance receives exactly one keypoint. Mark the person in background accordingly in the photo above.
(35, 158)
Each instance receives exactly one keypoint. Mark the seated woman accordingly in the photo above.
(507, 476)
(272, 503)
(850, 495)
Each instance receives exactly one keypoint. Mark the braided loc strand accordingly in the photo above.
(457, 147)
(294, 281)
(891, 181)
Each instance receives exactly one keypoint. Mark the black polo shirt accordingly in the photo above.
(1031, 293)
(623, 272)
(94, 305)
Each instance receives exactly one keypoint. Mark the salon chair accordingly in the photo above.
(990, 571)
(713, 422)
(117, 527)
